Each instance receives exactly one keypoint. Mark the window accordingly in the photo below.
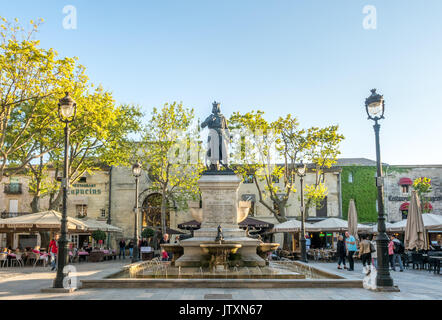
(82, 180)
(74, 239)
(321, 210)
(405, 188)
(103, 213)
(350, 178)
(81, 210)
(13, 206)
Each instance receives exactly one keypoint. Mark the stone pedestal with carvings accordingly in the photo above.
(220, 207)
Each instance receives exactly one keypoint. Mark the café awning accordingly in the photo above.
(405, 182)
(246, 223)
(431, 222)
(335, 224)
(404, 206)
(46, 220)
(290, 226)
(93, 225)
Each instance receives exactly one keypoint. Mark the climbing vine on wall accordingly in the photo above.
(362, 189)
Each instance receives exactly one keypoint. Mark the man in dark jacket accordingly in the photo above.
(398, 249)
(341, 252)
(122, 249)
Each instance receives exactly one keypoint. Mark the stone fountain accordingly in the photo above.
(219, 191)
(219, 239)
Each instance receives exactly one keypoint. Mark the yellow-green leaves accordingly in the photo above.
(272, 151)
(170, 153)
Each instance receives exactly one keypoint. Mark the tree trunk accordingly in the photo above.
(35, 204)
(163, 213)
(55, 204)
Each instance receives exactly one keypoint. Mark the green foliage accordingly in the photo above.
(363, 190)
(423, 185)
(99, 235)
(263, 144)
(169, 153)
(32, 79)
(147, 233)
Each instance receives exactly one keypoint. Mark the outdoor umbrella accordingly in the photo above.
(92, 225)
(415, 235)
(290, 226)
(352, 219)
(334, 224)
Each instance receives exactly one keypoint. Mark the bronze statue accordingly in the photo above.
(219, 138)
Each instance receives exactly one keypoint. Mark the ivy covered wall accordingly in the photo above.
(362, 189)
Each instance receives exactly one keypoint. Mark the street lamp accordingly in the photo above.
(136, 171)
(301, 173)
(374, 105)
(67, 110)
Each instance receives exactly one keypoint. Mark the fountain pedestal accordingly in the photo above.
(220, 207)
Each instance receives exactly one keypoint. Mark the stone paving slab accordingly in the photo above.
(25, 283)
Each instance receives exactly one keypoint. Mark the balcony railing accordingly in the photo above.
(6, 214)
(13, 188)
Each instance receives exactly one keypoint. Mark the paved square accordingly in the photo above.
(26, 283)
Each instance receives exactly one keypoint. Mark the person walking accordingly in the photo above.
(341, 252)
(122, 245)
(350, 244)
(398, 250)
(365, 254)
(391, 252)
(53, 250)
(131, 248)
(308, 242)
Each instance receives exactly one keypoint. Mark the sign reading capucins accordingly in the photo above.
(84, 189)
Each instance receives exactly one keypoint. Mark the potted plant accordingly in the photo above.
(99, 236)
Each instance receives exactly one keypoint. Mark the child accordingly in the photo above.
(165, 256)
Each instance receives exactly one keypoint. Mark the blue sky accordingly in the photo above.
(310, 58)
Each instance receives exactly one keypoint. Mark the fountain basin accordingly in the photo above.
(219, 252)
(220, 248)
(263, 248)
(280, 274)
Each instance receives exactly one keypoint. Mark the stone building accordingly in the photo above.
(109, 195)
(88, 198)
(397, 190)
(358, 182)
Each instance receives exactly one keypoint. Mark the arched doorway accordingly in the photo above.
(151, 211)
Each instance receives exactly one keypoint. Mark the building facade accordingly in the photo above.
(88, 198)
(358, 183)
(398, 187)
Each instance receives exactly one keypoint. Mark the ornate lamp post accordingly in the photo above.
(67, 110)
(374, 105)
(301, 173)
(136, 170)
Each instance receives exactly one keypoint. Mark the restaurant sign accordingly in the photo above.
(84, 189)
(392, 198)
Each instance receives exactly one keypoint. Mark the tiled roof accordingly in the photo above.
(342, 162)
